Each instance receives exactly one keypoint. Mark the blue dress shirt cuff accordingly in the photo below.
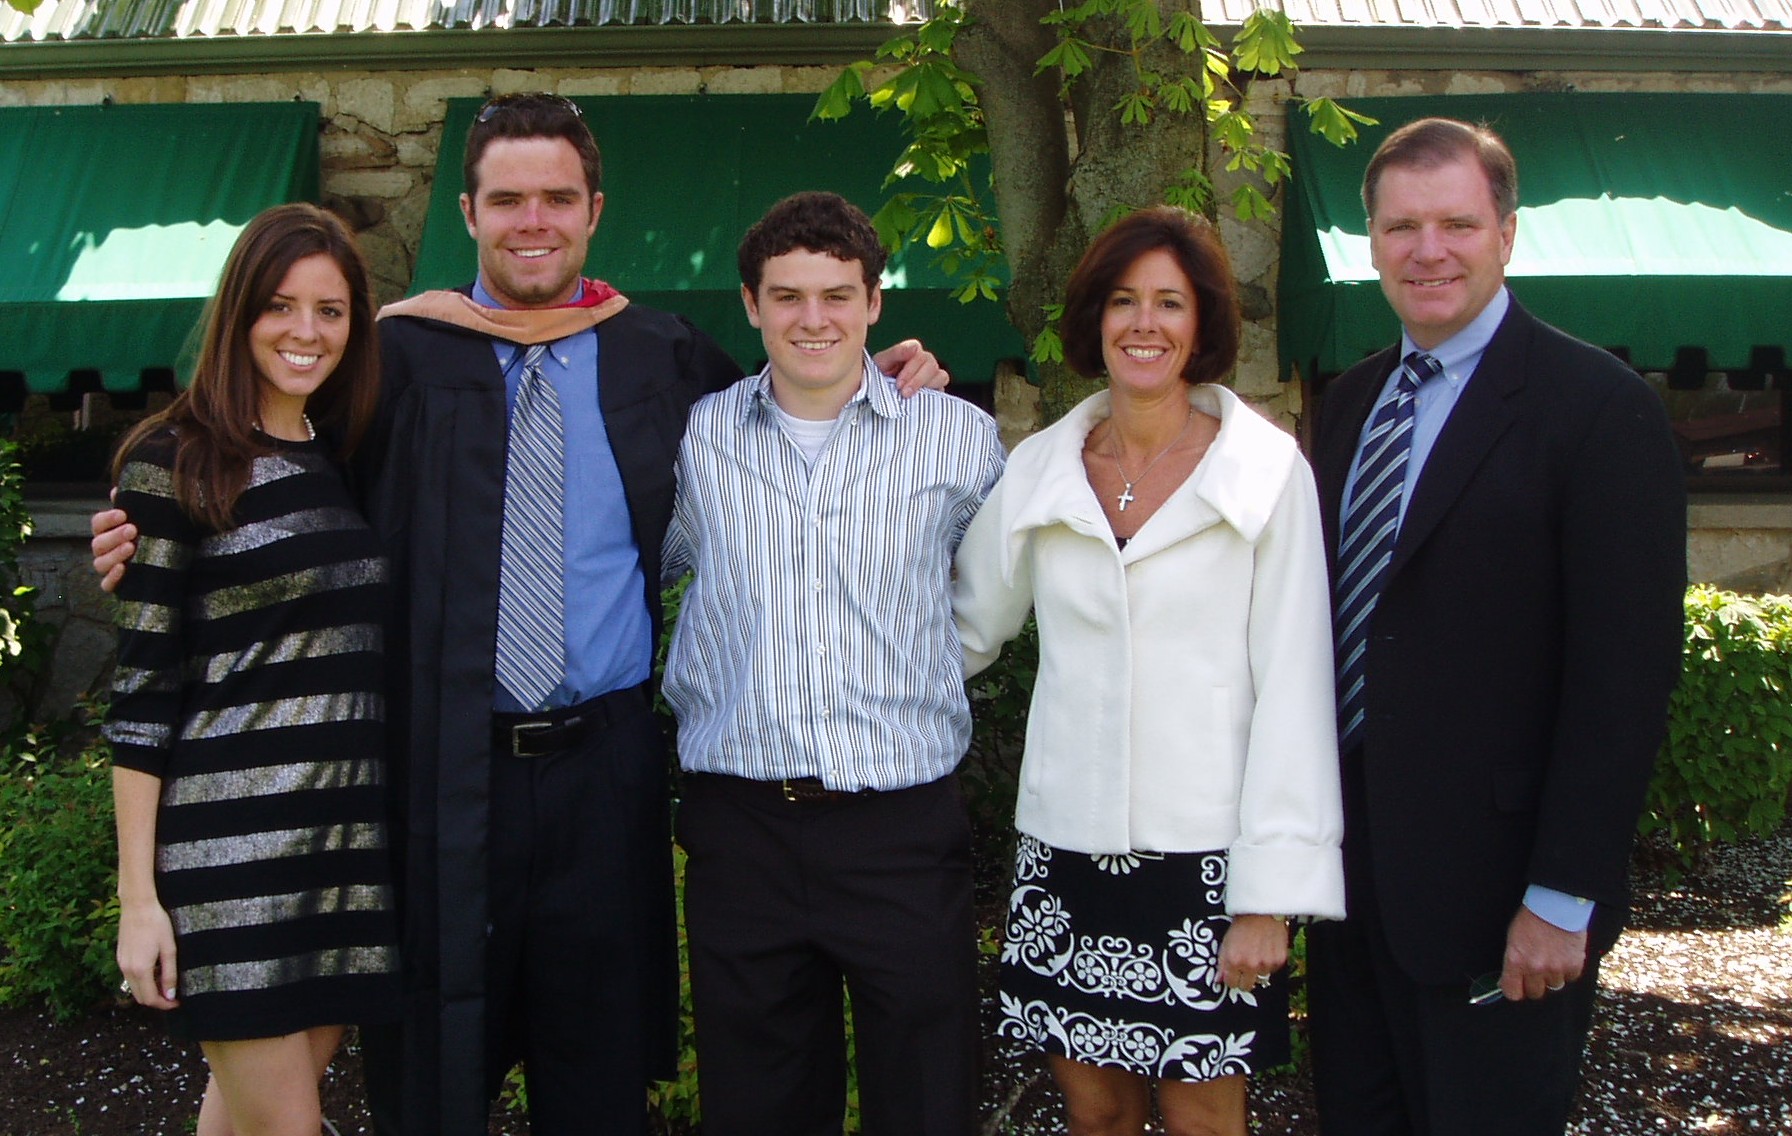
(1558, 908)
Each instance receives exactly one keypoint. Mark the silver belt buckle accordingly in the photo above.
(521, 730)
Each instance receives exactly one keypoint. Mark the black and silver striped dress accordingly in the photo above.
(250, 681)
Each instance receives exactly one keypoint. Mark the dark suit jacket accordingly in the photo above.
(433, 480)
(1523, 650)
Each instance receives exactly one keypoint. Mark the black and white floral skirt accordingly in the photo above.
(1114, 961)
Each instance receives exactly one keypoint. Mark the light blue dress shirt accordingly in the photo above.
(609, 635)
(1460, 355)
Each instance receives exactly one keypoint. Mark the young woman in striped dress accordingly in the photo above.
(246, 724)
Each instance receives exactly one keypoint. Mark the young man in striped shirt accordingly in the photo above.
(818, 682)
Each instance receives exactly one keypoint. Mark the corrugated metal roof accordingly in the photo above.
(72, 20)
(1708, 15)
(147, 19)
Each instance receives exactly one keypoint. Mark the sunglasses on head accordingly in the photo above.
(503, 103)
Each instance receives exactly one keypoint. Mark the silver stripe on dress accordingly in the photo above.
(291, 586)
(144, 680)
(148, 477)
(148, 734)
(264, 974)
(346, 639)
(141, 615)
(270, 468)
(269, 780)
(253, 847)
(259, 534)
(306, 710)
(262, 910)
(159, 552)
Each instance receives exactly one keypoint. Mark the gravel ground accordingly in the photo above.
(1692, 1034)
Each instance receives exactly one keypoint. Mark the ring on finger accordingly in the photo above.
(125, 988)
(1556, 986)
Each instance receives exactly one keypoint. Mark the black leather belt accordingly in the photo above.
(555, 731)
(794, 790)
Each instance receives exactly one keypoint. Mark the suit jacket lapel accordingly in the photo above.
(1484, 412)
(1347, 407)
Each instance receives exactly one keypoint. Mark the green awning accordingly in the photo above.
(115, 222)
(685, 175)
(1646, 223)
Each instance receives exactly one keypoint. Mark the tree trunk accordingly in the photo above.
(1055, 190)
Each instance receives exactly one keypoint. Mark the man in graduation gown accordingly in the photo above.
(531, 829)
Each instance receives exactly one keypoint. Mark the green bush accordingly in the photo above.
(24, 645)
(1726, 767)
(59, 915)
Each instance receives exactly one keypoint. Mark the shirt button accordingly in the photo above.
(566, 360)
(821, 649)
(816, 585)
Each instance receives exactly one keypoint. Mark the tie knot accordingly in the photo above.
(532, 358)
(1419, 368)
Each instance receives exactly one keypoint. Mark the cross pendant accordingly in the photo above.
(1126, 498)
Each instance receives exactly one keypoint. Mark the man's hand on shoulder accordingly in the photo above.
(913, 366)
(114, 543)
(1541, 958)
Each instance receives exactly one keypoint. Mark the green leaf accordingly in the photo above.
(940, 235)
(1182, 96)
(1071, 57)
(1187, 32)
(1047, 347)
(1134, 108)
(935, 93)
(847, 88)
(937, 34)
(1265, 44)
(1249, 204)
(1144, 21)
(1335, 123)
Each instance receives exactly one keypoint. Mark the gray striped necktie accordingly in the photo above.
(531, 587)
(1366, 541)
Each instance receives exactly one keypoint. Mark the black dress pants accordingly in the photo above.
(784, 902)
(1396, 1057)
(580, 963)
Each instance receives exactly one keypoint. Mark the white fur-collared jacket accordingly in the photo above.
(1185, 697)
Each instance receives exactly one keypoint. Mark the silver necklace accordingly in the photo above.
(310, 430)
(1126, 498)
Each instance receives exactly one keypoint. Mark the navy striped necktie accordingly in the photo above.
(531, 585)
(1366, 537)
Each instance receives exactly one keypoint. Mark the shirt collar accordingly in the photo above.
(875, 388)
(1461, 352)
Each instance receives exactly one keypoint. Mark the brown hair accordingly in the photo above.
(531, 115)
(1190, 239)
(1428, 143)
(815, 222)
(214, 418)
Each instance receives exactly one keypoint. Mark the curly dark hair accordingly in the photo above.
(814, 222)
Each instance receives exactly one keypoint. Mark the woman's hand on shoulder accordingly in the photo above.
(146, 954)
(1255, 946)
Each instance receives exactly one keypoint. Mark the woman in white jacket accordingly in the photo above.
(1179, 791)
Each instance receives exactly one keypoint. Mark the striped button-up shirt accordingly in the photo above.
(816, 639)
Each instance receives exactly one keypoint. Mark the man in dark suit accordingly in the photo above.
(1506, 518)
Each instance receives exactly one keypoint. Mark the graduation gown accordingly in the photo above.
(433, 479)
